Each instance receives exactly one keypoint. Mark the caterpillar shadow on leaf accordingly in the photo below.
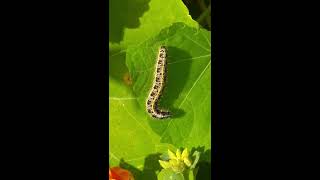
(176, 78)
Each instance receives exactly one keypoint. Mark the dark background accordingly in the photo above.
(54, 90)
(55, 121)
(266, 78)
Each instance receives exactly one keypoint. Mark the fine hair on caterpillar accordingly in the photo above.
(156, 91)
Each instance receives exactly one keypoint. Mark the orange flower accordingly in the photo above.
(117, 173)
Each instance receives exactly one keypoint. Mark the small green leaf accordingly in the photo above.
(167, 174)
(197, 155)
(191, 175)
(164, 157)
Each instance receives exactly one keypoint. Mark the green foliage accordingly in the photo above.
(169, 174)
(137, 29)
(133, 21)
(187, 93)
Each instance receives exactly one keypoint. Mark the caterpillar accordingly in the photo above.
(158, 86)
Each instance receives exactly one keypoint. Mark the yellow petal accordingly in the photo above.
(187, 162)
(173, 162)
(164, 164)
(171, 155)
(185, 154)
(178, 153)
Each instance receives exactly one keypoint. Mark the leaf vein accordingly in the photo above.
(136, 120)
(197, 43)
(201, 32)
(114, 156)
(187, 95)
(195, 83)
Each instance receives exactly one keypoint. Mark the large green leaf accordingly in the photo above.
(187, 92)
(133, 21)
(134, 135)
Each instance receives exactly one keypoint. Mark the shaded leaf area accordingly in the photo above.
(187, 92)
(200, 10)
(124, 14)
(134, 21)
(150, 170)
(204, 164)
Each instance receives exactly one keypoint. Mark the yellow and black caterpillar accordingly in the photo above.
(158, 86)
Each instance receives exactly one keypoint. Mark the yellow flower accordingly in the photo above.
(177, 165)
(177, 162)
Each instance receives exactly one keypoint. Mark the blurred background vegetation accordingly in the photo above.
(200, 10)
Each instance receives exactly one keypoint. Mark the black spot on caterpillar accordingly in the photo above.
(158, 86)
